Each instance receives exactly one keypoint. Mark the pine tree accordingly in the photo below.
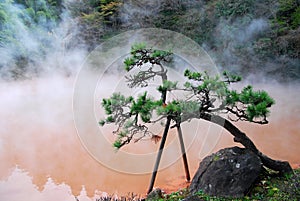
(209, 98)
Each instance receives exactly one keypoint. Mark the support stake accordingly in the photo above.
(161, 147)
(185, 162)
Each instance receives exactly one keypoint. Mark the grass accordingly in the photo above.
(269, 187)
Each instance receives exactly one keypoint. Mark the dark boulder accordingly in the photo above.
(229, 172)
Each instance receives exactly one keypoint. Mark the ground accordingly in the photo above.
(270, 186)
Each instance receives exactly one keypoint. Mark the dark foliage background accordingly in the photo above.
(243, 36)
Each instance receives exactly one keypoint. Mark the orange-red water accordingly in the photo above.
(37, 134)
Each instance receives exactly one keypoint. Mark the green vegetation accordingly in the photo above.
(288, 14)
(97, 19)
(241, 35)
(233, 8)
(26, 32)
(125, 112)
(104, 11)
(41, 15)
(206, 97)
(270, 187)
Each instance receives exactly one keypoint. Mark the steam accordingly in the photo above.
(29, 48)
(239, 50)
(37, 131)
(243, 32)
(135, 13)
(236, 42)
(239, 33)
(140, 14)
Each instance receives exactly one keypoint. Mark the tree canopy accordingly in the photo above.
(205, 94)
(206, 97)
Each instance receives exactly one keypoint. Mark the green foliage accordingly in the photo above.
(173, 109)
(168, 18)
(288, 14)
(256, 102)
(167, 86)
(160, 53)
(129, 63)
(98, 20)
(110, 119)
(176, 196)
(276, 187)
(23, 20)
(205, 94)
(246, 105)
(231, 77)
(213, 24)
(3, 15)
(144, 107)
(233, 8)
(210, 84)
(116, 99)
(194, 20)
(106, 103)
(101, 122)
(112, 104)
(41, 12)
(137, 47)
(193, 75)
(109, 9)
(117, 144)
(141, 55)
(215, 85)
(120, 110)
(296, 18)
(104, 12)
(189, 107)
(270, 187)
(178, 108)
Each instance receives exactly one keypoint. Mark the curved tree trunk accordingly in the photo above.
(239, 136)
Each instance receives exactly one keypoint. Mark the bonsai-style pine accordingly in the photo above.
(206, 97)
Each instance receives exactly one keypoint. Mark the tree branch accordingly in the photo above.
(239, 136)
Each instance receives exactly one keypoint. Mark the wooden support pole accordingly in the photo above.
(185, 162)
(161, 147)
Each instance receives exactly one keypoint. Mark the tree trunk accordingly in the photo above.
(239, 136)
